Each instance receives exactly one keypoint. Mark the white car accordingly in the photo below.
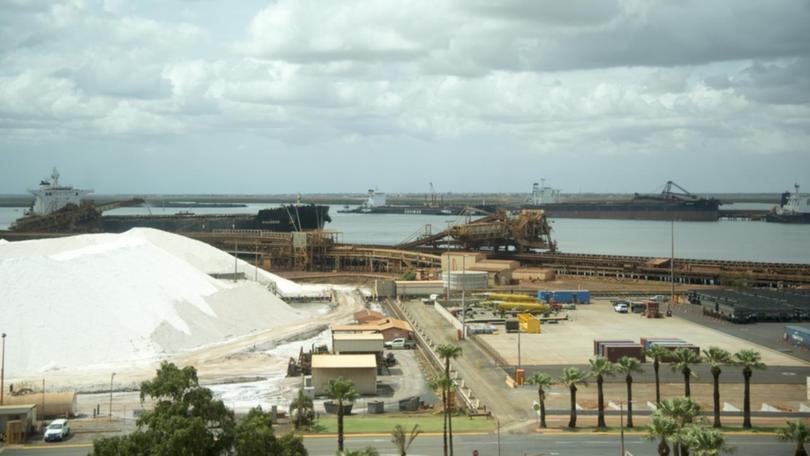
(621, 308)
(58, 430)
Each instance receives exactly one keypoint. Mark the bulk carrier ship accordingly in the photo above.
(668, 205)
(376, 203)
(793, 208)
(59, 208)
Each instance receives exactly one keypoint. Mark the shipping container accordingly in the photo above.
(613, 352)
(598, 343)
(565, 296)
(646, 341)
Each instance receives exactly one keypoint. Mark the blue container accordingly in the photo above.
(565, 296)
(797, 335)
(650, 342)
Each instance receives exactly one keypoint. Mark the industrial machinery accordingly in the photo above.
(528, 230)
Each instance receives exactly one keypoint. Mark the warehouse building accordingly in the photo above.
(390, 328)
(360, 369)
(357, 343)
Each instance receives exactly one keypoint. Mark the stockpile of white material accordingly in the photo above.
(109, 298)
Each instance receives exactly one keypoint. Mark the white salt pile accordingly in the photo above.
(109, 298)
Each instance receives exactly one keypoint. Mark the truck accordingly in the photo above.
(400, 343)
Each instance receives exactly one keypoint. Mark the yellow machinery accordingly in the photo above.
(529, 323)
(526, 307)
(512, 297)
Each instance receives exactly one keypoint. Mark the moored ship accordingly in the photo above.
(793, 208)
(376, 203)
(673, 203)
(59, 208)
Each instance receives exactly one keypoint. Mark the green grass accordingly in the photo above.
(385, 423)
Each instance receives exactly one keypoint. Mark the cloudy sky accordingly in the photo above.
(338, 96)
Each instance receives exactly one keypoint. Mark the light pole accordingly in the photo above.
(111, 391)
(3, 370)
(621, 427)
(519, 363)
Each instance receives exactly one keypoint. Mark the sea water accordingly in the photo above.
(722, 240)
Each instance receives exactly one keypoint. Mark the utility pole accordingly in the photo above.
(519, 363)
(463, 302)
(111, 391)
(43, 397)
(3, 370)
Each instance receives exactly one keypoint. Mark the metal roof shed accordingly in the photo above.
(360, 369)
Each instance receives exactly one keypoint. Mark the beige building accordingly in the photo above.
(359, 343)
(390, 328)
(17, 421)
(360, 369)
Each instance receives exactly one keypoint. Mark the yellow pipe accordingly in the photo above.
(512, 297)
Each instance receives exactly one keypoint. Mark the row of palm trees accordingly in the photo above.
(681, 360)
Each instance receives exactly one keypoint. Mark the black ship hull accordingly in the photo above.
(282, 219)
(698, 211)
(416, 210)
(86, 219)
(799, 218)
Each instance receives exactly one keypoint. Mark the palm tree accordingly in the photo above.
(629, 366)
(301, 407)
(443, 383)
(657, 353)
(749, 360)
(541, 381)
(798, 432)
(571, 377)
(682, 360)
(682, 411)
(448, 352)
(600, 367)
(402, 440)
(716, 357)
(662, 428)
(341, 390)
(702, 440)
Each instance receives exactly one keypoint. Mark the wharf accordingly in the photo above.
(753, 215)
(319, 251)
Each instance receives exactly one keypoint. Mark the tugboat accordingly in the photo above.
(793, 208)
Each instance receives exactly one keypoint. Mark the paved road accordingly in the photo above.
(510, 445)
(768, 334)
(475, 367)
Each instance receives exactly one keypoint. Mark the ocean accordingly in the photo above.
(723, 240)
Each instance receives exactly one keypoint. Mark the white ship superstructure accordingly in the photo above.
(50, 196)
(544, 195)
(794, 203)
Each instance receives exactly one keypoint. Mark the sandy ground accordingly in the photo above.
(238, 358)
(571, 342)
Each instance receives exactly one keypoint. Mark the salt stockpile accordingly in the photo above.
(102, 299)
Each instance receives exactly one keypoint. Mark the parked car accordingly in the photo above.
(659, 298)
(621, 308)
(400, 343)
(58, 430)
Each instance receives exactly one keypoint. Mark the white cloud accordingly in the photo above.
(624, 78)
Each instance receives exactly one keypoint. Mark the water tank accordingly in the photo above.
(465, 280)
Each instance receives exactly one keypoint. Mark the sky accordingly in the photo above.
(305, 96)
